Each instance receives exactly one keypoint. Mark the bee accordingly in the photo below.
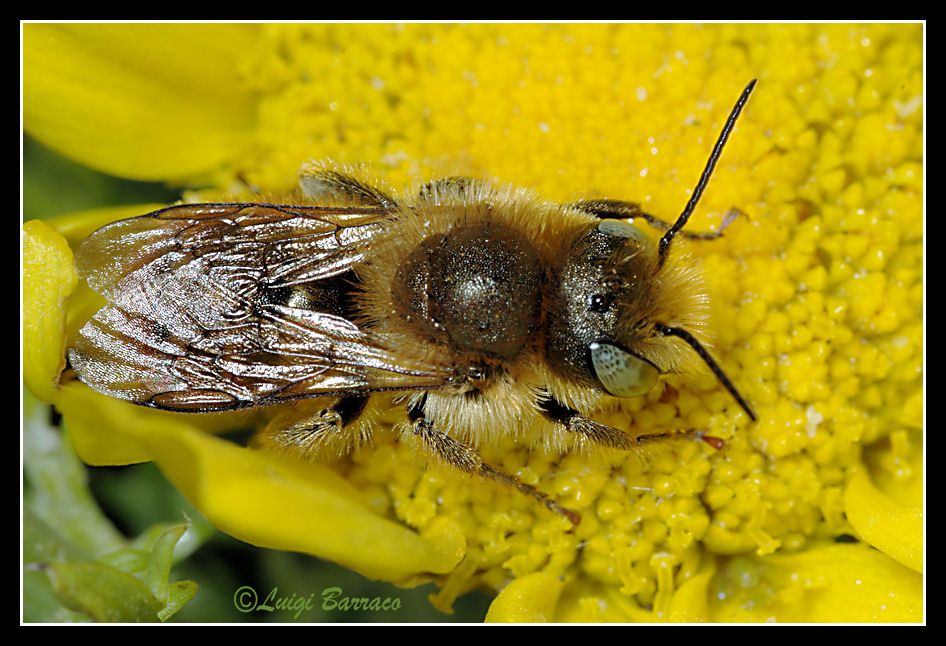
(482, 308)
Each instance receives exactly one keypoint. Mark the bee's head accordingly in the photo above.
(603, 315)
(619, 310)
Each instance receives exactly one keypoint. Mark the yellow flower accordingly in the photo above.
(814, 513)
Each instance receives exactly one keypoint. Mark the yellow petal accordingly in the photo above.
(690, 602)
(105, 431)
(140, 101)
(286, 504)
(76, 226)
(255, 496)
(528, 599)
(831, 583)
(894, 529)
(48, 279)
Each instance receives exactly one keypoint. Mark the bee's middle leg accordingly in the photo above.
(463, 457)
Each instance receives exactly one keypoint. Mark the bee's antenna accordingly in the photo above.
(666, 330)
(707, 172)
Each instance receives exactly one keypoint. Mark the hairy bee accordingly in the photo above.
(482, 305)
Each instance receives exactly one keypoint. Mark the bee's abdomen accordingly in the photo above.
(477, 289)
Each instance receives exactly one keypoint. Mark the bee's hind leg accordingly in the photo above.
(463, 457)
(326, 433)
(325, 185)
(456, 185)
(622, 210)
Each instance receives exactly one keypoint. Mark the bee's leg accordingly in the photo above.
(629, 210)
(328, 185)
(325, 433)
(463, 457)
(349, 408)
(602, 434)
(453, 186)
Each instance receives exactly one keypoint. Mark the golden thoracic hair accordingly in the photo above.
(442, 210)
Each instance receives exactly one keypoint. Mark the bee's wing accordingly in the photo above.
(285, 244)
(189, 327)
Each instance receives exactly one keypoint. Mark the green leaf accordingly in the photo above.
(56, 487)
(179, 594)
(77, 566)
(102, 592)
(110, 591)
(162, 557)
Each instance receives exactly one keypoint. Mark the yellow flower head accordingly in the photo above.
(813, 513)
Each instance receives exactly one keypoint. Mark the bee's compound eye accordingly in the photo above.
(622, 229)
(621, 373)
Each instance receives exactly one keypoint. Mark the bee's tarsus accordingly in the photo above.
(575, 422)
(717, 443)
(459, 455)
